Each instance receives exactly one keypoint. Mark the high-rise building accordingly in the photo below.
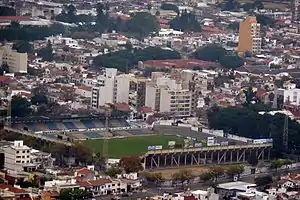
(249, 36)
(296, 10)
(17, 62)
(111, 88)
(167, 95)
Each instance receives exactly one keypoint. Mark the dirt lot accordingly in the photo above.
(167, 173)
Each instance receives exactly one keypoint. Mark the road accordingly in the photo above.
(152, 191)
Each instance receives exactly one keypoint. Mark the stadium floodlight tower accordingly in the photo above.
(106, 134)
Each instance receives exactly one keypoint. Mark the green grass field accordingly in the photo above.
(131, 146)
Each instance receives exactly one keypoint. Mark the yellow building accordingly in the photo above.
(249, 36)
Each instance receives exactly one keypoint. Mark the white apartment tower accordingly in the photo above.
(167, 95)
(17, 157)
(111, 88)
(17, 62)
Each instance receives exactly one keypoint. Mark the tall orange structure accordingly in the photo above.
(249, 36)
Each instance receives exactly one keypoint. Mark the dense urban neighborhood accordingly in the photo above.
(150, 100)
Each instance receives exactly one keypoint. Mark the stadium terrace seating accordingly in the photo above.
(93, 135)
(70, 125)
(88, 124)
(18, 126)
(123, 122)
(99, 124)
(32, 126)
(79, 125)
(135, 132)
(51, 125)
(60, 126)
(115, 123)
(42, 127)
(51, 136)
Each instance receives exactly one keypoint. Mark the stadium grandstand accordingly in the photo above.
(73, 123)
(71, 127)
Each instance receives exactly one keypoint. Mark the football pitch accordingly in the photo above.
(131, 146)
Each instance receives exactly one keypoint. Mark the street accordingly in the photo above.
(152, 191)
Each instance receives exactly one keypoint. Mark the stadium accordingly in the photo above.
(163, 144)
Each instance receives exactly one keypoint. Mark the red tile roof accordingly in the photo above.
(163, 21)
(15, 18)
(86, 88)
(93, 183)
(145, 110)
(122, 107)
(12, 189)
(83, 171)
(5, 79)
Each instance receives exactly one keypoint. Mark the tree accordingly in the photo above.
(46, 53)
(206, 176)
(168, 6)
(234, 26)
(124, 60)
(207, 100)
(20, 107)
(149, 7)
(143, 24)
(263, 181)
(253, 160)
(23, 47)
(153, 177)
(258, 4)
(211, 52)
(39, 99)
(185, 22)
(231, 5)
(286, 162)
(248, 6)
(7, 11)
(73, 194)
(250, 95)
(234, 170)
(271, 96)
(265, 20)
(113, 171)
(231, 61)
(182, 176)
(102, 20)
(131, 164)
(247, 122)
(275, 164)
(81, 152)
(217, 172)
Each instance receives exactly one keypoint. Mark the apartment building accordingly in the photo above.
(167, 95)
(17, 62)
(111, 88)
(290, 96)
(249, 36)
(296, 10)
(17, 157)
